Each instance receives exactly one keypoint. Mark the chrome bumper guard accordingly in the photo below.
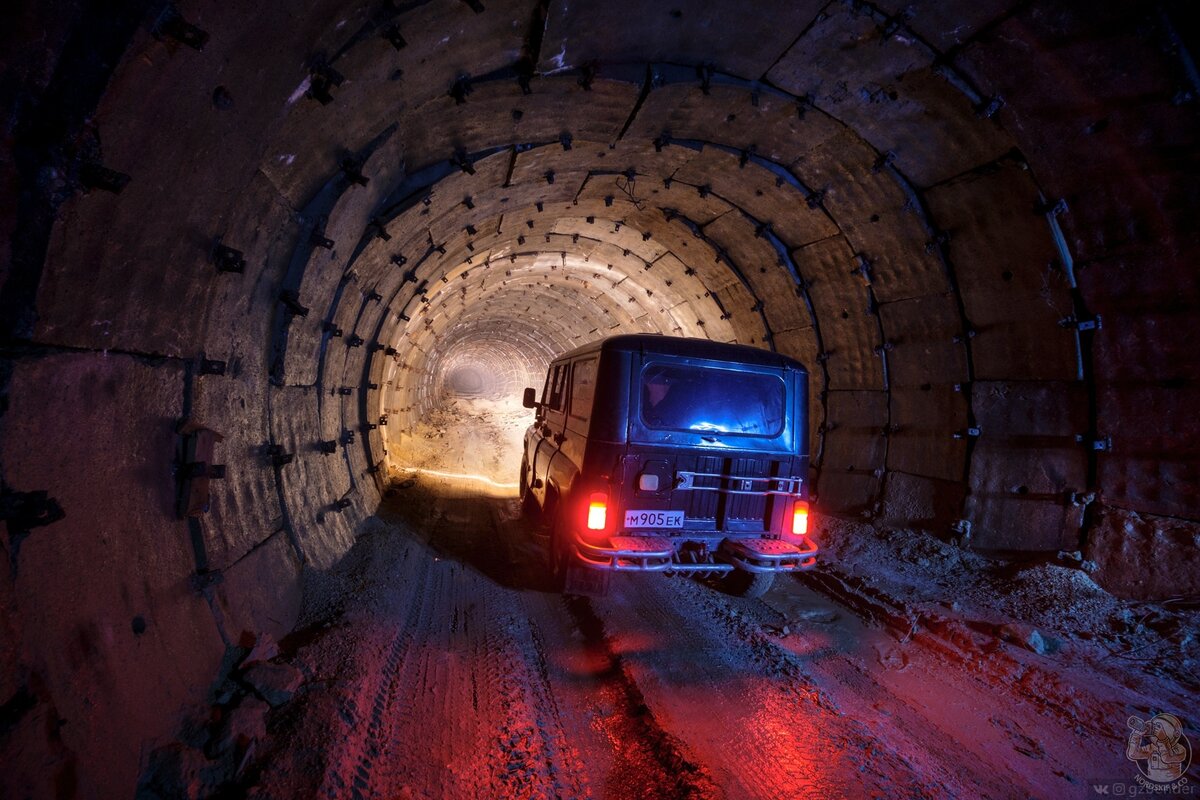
(628, 554)
(656, 554)
(769, 555)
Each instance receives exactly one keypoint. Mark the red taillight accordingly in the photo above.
(800, 518)
(597, 511)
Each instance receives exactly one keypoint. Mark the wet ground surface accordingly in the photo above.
(434, 661)
(437, 663)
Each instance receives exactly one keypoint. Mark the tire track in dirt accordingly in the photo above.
(365, 744)
(644, 761)
(649, 761)
(1018, 694)
(465, 711)
(433, 692)
(449, 675)
(745, 707)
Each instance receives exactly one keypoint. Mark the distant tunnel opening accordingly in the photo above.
(466, 382)
(473, 335)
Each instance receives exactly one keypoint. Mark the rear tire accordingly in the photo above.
(560, 556)
(529, 506)
(741, 583)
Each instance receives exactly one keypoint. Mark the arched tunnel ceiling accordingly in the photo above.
(973, 222)
(858, 189)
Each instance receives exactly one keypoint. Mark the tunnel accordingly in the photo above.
(255, 252)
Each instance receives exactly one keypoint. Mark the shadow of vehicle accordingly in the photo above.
(485, 533)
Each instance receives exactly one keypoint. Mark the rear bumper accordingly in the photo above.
(657, 554)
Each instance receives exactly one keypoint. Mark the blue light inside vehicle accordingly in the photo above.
(678, 397)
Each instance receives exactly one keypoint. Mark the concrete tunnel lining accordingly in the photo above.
(717, 271)
(873, 192)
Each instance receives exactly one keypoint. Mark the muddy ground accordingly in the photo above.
(435, 662)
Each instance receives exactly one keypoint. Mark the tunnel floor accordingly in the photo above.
(435, 662)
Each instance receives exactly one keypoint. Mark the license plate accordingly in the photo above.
(653, 519)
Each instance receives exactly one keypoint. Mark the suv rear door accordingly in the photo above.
(729, 468)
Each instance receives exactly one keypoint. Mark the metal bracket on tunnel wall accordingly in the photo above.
(93, 175)
(291, 302)
(227, 259)
(317, 237)
(322, 78)
(210, 366)
(1096, 444)
(352, 171)
(195, 468)
(171, 25)
(279, 458)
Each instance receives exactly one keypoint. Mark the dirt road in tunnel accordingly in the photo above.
(440, 665)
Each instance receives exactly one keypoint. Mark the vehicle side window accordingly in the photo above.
(545, 395)
(545, 388)
(558, 387)
(583, 388)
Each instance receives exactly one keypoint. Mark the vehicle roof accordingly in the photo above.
(656, 344)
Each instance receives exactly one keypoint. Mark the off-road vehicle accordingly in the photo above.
(654, 453)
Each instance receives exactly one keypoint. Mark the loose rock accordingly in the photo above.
(275, 683)
(264, 649)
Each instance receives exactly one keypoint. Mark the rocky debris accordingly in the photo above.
(890, 657)
(265, 649)
(220, 742)
(469, 436)
(1041, 605)
(1071, 557)
(243, 733)
(1143, 556)
(227, 693)
(181, 772)
(275, 683)
(244, 725)
(1029, 638)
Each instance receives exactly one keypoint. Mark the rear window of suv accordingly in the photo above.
(675, 397)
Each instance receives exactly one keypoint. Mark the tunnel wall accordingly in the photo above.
(910, 163)
(1116, 154)
(117, 611)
